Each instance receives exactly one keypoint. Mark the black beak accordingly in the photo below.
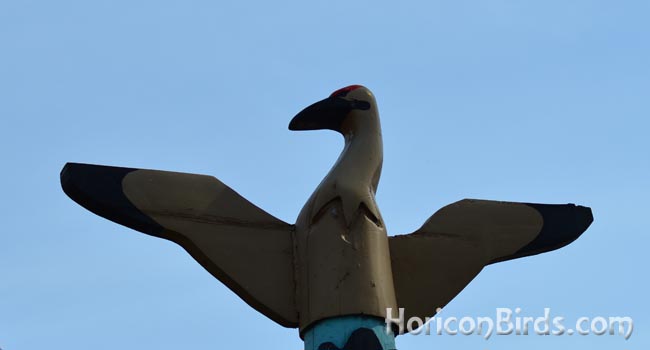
(326, 114)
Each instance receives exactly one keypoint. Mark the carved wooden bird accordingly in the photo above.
(337, 259)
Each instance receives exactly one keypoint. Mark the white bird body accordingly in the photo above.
(340, 233)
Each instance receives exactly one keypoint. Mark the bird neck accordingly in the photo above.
(353, 179)
(359, 164)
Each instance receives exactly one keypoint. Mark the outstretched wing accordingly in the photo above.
(230, 237)
(433, 264)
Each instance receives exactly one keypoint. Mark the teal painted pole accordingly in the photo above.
(350, 333)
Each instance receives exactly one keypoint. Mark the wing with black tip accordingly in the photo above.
(433, 264)
(229, 236)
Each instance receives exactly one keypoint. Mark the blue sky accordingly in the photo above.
(525, 101)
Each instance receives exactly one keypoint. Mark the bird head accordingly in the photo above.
(338, 111)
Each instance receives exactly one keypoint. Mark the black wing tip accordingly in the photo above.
(584, 218)
(98, 188)
(79, 180)
(568, 218)
(563, 224)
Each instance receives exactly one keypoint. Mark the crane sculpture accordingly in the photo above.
(335, 272)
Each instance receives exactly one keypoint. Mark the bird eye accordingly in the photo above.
(362, 105)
